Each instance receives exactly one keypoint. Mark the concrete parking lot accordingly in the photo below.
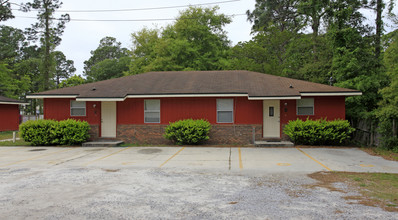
(180, 183)
(303, 160)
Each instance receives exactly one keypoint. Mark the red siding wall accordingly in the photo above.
(9, 117)
(59, 109)
(131, 111)
(324, 107)
(246, 112)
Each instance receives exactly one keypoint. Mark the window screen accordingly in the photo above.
(225, 110)
(77, 108)
(305, 106)
(152, 111)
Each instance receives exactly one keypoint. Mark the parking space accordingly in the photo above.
(306, 160)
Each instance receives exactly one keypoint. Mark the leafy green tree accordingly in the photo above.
(353, 64)
(300, 62)
(143, 51)
(106, 61)
(387, 113)
(196, 41)
(5, 10)
(109, 68)
(267, 51)
(109, 48)
(279, 13)
(74, 80)
(7, 83)
(14, 50)
(12, 42)
(315, 12)
(64, 68)
(48, 32)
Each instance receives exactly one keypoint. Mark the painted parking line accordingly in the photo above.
(172, 157)
(327, 168)
(240, 159)
(37, 157)
(101, 158)
(366, 165)
(283, 164)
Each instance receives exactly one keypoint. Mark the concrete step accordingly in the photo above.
(273, 144)
(109, 143)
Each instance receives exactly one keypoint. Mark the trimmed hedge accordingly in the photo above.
(50, 132)
(319, 132)
(188, 131)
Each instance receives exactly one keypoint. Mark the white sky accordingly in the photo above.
(80, 37)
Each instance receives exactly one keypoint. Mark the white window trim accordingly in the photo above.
(225, 111)
(313, 106)
(71, 107)
(152, 111)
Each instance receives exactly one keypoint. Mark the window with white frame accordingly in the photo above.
(77, 108)
(305, 106)
(152, 111)
(225, 110)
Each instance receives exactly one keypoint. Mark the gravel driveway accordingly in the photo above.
(177, 183)
(154, 193)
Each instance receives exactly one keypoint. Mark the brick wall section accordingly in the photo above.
(219, 134)
(94, 132)
(142, 134)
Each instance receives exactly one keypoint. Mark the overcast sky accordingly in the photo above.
(81, 37)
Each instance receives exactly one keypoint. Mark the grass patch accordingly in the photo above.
(17, 143)
(6, 135)
(376, 189)
(378, 151)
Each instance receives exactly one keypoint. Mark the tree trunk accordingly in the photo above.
(315, 31)
(379, 27)
(46, 61)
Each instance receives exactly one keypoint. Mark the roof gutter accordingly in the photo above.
(100, 99)
(49, 96)
(188, 95)
(331, 93)
(14, 103)
(273, 97)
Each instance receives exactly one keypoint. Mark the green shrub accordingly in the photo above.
(50, 132)
(319, 132)
(188, 131)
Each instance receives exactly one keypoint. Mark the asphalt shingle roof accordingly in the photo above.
(197, 82)
(5, 100)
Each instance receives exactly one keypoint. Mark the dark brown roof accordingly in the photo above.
(196, 83)
(5, 100)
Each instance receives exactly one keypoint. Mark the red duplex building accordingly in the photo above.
(242, 106)
(9, 114)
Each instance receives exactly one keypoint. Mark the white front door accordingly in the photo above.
(108, 119)
(271, 119)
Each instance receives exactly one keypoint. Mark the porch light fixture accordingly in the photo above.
(94, 105)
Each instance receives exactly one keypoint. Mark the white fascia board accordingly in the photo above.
(330, 93)
(49, 96)
(186, 95)
(100, 99)
(274, 98)
(14, 103)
